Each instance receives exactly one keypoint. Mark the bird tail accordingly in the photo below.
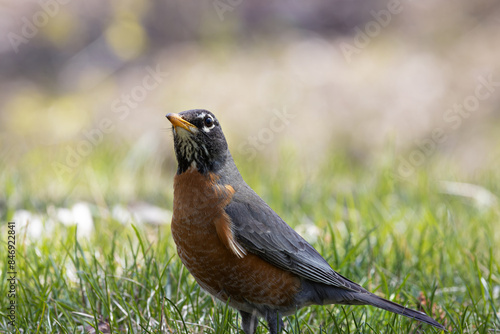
(371, 299)
(354, 294)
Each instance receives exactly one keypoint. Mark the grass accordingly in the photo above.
(402, 239)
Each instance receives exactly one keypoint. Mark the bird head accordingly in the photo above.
(198, 141)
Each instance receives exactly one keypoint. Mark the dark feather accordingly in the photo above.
(262, 232)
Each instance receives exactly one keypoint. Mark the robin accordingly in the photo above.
(237, 248)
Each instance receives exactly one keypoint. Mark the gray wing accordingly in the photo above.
(262, 232)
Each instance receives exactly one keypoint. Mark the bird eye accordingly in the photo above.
(209, 122)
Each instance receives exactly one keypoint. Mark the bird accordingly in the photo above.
(237, 248)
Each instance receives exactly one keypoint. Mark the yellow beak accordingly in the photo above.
(177, 120)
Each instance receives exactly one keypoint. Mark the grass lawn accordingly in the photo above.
(406, 239)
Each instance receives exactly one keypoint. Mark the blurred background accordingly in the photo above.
(85, 86)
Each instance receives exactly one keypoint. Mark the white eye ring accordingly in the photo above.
(209, 122)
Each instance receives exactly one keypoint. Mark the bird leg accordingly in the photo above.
(249, 322)
(274, 322)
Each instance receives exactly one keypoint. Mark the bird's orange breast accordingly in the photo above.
(199, 203)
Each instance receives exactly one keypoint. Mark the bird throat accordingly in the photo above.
(189, 153)
(192, 155)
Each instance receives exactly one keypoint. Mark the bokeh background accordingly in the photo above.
(85, 85)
